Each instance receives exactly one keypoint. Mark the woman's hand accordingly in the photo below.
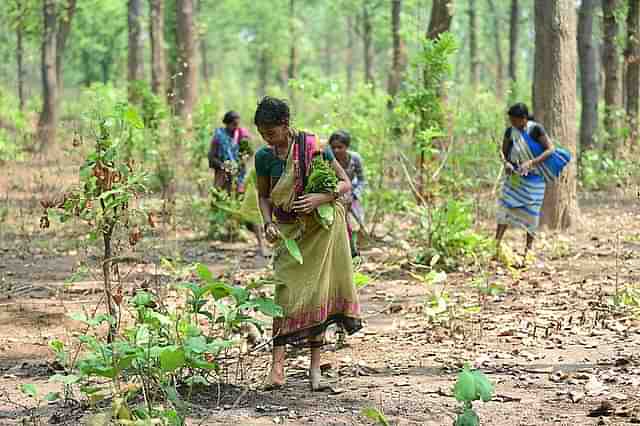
(508, 168)
(309, 202)
(526, 167)
(271, 232)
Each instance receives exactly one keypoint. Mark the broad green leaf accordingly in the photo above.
(375, 415)
(465, 388)
(66, 379)
(133, 118)
(467, 418)
(142, 299)
(29, 389)
(326, 215)
(360, 280)
(52, 396)
(56, 345)
(294, 250)
(484, 388)
(217, 290)
(268, 307)
(142, 335)
(171, 358)
(204, 273)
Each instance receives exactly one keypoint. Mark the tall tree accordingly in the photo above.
(611, 64)
(367, 42)
(49, 115)
(349, 54)
(158, 57)
(473, 44)
(203, 46)
(186, 78)
(495, 12)
(555, 99)
(62, 36)
(632, 59)
(441, 16)
(135, 58)
(291, 72)
(588, 74)
(513, 39)
(398, 61)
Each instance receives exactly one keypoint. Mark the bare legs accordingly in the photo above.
(500, 231)
(277, 377)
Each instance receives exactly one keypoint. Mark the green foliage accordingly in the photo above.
(163, 351)
(599, 170)
(322, 179)
(376, 415)
(471, 385)
(223, 215)
(446, 236)
(294, 250)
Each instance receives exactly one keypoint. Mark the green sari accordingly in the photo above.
(319, 292)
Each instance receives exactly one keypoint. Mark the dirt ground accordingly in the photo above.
(557, 351)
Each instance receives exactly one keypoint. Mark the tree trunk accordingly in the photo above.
(264, 64)
(588, 75)
(632, 59)
(158, 57)
(62, 35)
(398, 63)
(291, 71)
(49, 116)
(19, 62)
(187, 75)
(513, 39)
(329, 42)
(496, 39)
(555, 99)
(349, 54)
(135, 58)
(203, 46)
(367, 39)
(611, 70)
(441, 15)
(473, 45)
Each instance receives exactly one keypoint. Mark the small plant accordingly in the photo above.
(165, 354)
(472, 385)
(446, 233)
(223, 215)
(376, 415)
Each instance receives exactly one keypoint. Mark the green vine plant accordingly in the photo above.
(472, 385)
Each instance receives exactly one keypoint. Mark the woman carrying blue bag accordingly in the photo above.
(531, 161)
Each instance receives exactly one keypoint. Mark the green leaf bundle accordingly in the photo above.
(322, 179)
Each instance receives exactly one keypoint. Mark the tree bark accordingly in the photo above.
(588, 75)
(186, 68)
(203, 46)
(19, 63)
(349, 60)
(632, 59)
(555, 99)
(135, 58)
(513, 39)
(496, 39)
(473, 45)
(49, 116)
(367, 40)
(611, 65)
(398, 62)
(62, 35)
(441, 16)
(158, 57)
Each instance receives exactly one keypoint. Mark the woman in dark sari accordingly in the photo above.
(225, 153)
(320, 291)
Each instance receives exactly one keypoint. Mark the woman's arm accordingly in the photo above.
(264, 198)
(214, 161)
(309, 202)
(548, 150)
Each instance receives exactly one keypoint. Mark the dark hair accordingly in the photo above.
(271, 112)
(520, 110)
(230, 117)
(341, 136)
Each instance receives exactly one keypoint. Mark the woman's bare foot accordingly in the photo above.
(277, 376)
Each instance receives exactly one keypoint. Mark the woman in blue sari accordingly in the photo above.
(524, 184)
(226, 153)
